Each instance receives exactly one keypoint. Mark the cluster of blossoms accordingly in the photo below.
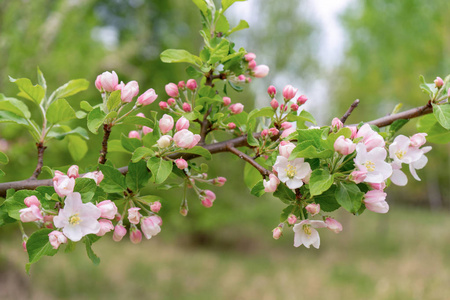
(183, 138)
(258, 71)
(180, 101)
(143, 130)
(289, 102)
(64, 184)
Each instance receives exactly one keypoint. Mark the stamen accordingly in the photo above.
(291, 171)
(75, 219)
(370, 166)
(307, 229)
(400, 154)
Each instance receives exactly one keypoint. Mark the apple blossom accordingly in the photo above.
(57, 238)
(336, 124)
(109, 81)
(108, 209)
(166, 123)
(186, 139)
(418, 139)
(250, 56)
(77, 219)
(294, 107)
(135, 235)
(151, 226)
(129, 91)
(172, 90)
(120, 86)
(32, 200)
(73, 172)
(260, 71)
(163, 105)
(286, 148)
(134, 215)
(155, 206)
(277, 232)
(370, 138)
(63, 185)
(226, 101)
(272, 91)
(97, 176)
(344, 146)
(119, 232)
(313, 209)
(302, 100)
(105, 227)
(187, 107)
(358, 176)
(289, 92)
(30, 214)
(191, 84)
(182, 123)
(219, 181)
(305, 234)
(286, 133)
(291, 172)
(134, 135)
(354, 131)
(148, 97)
(181, 163)
(420, 163)
(274, 103)
(286, 125)
(400, 150)
(375, 201)
(181, 85)
(146, 130)
(231, 125)
(333, 225)
(271, 185)
(98, 83)
(236, 108)
(439, 82)
(164, 141)
(373, 163)
(292, 219)
(252, 64)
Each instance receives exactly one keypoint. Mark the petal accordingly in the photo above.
(420, 163)
(399, 178)
(73, 233)
(384, 169)
(294, 183)
(72, 203)
(317, 224)
(89, 210)
(377, 154)
(303, 170)
(89, 225)
(413, 172)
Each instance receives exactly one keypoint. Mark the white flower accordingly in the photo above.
(373, 163)
(305, 234)
(292, 172)
(370, 137)
(420, 163)
(400, 150)
(77, 218)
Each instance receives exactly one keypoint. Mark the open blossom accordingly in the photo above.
(63, 185)
(30, 214)
(370, 138)
(108, 209)
(57, 238)
(373, 163)
(271, 185)
(77, 219)
(344, 146)
(333, 225)
(291, 172)
(400, 150)
(166, 124)
(186, 139)
(97, 176)
(375, 201)
(151, 226)
(420, 163)
(306, 234)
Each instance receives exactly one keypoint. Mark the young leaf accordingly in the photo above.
(160, 168)
(77, 147)
(242, 25)
(70, 88)
(29, 91)
(179, 55)
(130, 144)
(442, 114)
(39, 245)
(258, 189)
(199, 151)
(134, 120)
(349, 196)
(114, 101)
(15, 106)
(95, 119)
(436, 133)
(284, 194)
(3, 158)
(59, 111)
(140, 153)
(89, 240)
(228, 3)
(137, 175)
(114, 181)
(327, 200)
(321, 180)
(86, 187)
(201, 4)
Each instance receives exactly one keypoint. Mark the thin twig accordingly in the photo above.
(264, 172)
(41, 148)
(350, 110)
(408, 114)
(104, 151)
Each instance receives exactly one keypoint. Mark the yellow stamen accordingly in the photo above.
(307, 229)
(370, 166)
(75, 219)
(290, 171)
(400, 154)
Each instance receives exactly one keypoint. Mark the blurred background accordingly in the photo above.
(334, 52)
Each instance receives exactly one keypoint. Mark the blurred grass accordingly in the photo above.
(402, 255)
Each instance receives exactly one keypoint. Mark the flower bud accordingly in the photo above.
(336, 124)
(378, 186)
(289, 92)
(241, 78)
(151, 226)
(333, 225)
(119, 232)
(134, 135)
(286, 148)
(260, 71)
(129, 91)
(191, 84)
(252, 64)
(184, 208)
(135, 235)
(187, 107)
(294, 107)
(98, 83)
(97, 176)
(358, 176)
(219, 181)
(418, 140)
(274, 104)
(56, 238)
(250, 56)
(292, 219)
(265, 132)
(119, 86)
(105, 226)
(32, 200)
(231, 125)
(375, 201)
(148, 97)
(181, 163)
(73, 171)
(286, 125)
(63, 185)
(439, 82)
(163, 105)
(140, 115)
(155, 207)
(182, 123)
(146, 130)
(226, 101)
(272, 91)
(171, 102)
(302, 100)
(108, 81)
(271, 185)
(354, 131)
(48, 221)
(166, 124)
(186, 139)
(236, 108)
(30, 214)
(277, 232)
(273, 131)
(207, 202)
(172, 90)
(313, 209)
(181, 85)
(133, 215)
(164, 141)
(108, 209)
(287, 132)
(344, 146)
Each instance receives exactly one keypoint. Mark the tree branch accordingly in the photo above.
(408, 114)
(264, 172)
(349, 111)
(41, 148)
(104, 151)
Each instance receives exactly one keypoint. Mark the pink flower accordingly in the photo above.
(97, 176)
(129, 91)
(373, 162)
(73, 171)
(305, 234)
(294, 107)
(358, 176)
(260, 71)
(289, 92)
(119, 232)
(191, 84)
(155, 207)
(164, 141)
(30, 214)
(181, 163)
(313, 209)
(375, 201)
(236, 108)
(231, 125)
(292, 219)
(171, 101)
(134, 135)
(302, 100)
(418, 140)
(135, 235)
(151, 226)
(370, 138)
(226, 101)
(182, 123)
(250, 56)
(163, 105)
(252, 64)
(186, 139)
(108, 209)
(146, 130)
(271, 185)
(286, 148)
(272, 91)
(32, 200)
(291, 172)
(166, 124)
(181, 85)
(286, 125)
(274, 104)
(108, 81)
(336, 124)
(277, 232)
(57, 238)
(344, 146)
(219, 181)
(105, 226)
(172, 90)
(98, 83)
(147, 98)
(187, 107)
(378, 186)
(354, 131)
(439, 82)
(77, 218)
(133, 215)
(63, 185)
(333, 225)
(287, 132)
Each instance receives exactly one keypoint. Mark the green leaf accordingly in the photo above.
(137, 175)
(116, 146)
(436, 133)
(59, 111)
(150, 198)
(263, 112)
(251, 175)
(114, 181)
(251, 139)
(77, 147)
(178, 56)
(3, 158)
(321, 180)
(7, 116)
(84, 105)
(303, 117)
(39, 245)
(227, 3)
(130, 144)
(15, 106)
(219, 52)
(332, 137)
(242, 25)
(160, 168)
(57, 134)
(442, 114)
(201, 4)
(114, 101)
(290, 209)
(193, 72)
(4, 217)
(199, 151)
(86, 187)
(95, 119)
(349, 196)
(29, 91)
(89, 240)
(235, 87)
(306, 149)
(285, 194)
(70, 88)
(222, 24)
(327, 200)
(141, 153)
(134, 120)
(41, 79)
(397, 125)
(258, 189)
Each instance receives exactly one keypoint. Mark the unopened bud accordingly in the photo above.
(171, 102)
(191, 84)
(272, 91)
(302, 100)
(181, 85)
(277, 232)
(163, 105)
(439, 82)
(336, 124)
(187, 107)
(292, 219)
(313, 209)
(274, 104)
(226, 101)
(231, 125)
(294, 107)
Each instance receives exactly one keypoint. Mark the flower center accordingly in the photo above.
(75, 219)
(400, 154)
(307, 229)
(290, 171)
(370, 166)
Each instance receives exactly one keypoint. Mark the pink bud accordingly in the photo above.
(236, 108)
(133, 215)
(271, 185)
(56, 238)
(171, 101)
(231, 125)
(252, 64)
(163, 105)
(181, 85)
(273, 131)
(286, 125)
(135, 236)
(344, 146)
(32, 200)
(187, 107)
(277, 233)
(73, 172)
(207, 202)
(250, 56)
(313, 209)
(24, 245)
(129, 91)
(439, 82)
(151, 226)
(109, 81)
(265, 132)
(375, 201)
(186, 139)
(226, 101)
(354, 131)
(333, 225)
(219, 181)
(147, 98)
(184, 210)
(166, 124)
(287, 132)
(210, 195)
(272, 91)
(181, 163)
(146, 130)
(289, 92)
(120, 86)
(108, 209)
(191, 84)
(358, 176)
(48, 221)
(155, 207)
(378, 186)
(336, 124)
(96, 175)
(105, 226)
(294, 107)
(274, 103)
(172, 90)
(119, 232)
(248, 79)
(260, 71)
(418, 140)
(292, 219)
(63, 185)
(182, 123)
(134, 135)
(141, 115)
(241, 78)
(302, 100)
(286, 148)
(98, 83)
(30, 214)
